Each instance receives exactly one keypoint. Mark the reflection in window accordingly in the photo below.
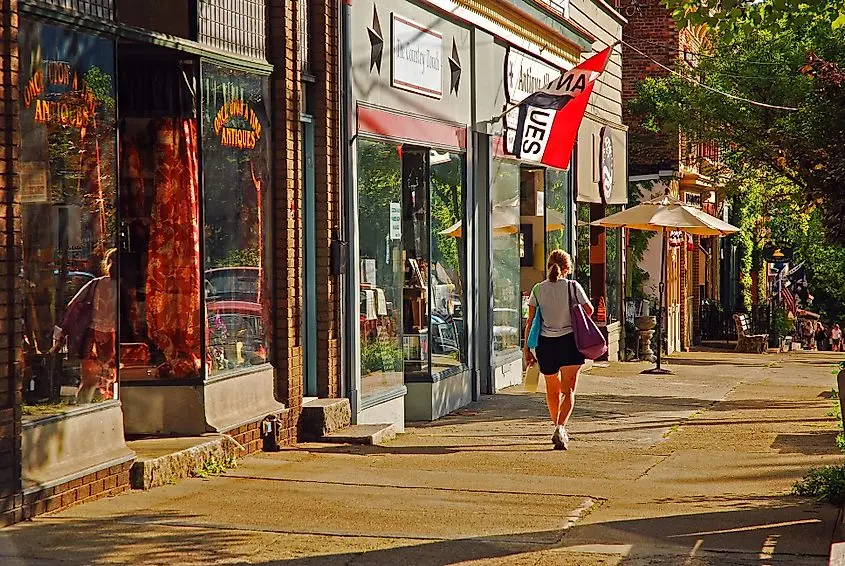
(382, 268)
(558, 210)
(582, 245)
(505, 257)
(236, 156)
(614, 267)
(67, 194)
(448, 260)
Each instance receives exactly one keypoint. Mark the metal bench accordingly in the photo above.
(749, 343)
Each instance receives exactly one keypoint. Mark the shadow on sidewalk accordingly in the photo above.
(794, 528)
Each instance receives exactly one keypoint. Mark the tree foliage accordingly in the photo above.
(797, 67)
(741, 16)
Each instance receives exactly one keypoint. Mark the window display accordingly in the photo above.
(507, 302)
(68, 218)
(383, 268)
(235, 149)
(160, 301)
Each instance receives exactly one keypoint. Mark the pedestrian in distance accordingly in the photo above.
(836, 338)
(559, 358)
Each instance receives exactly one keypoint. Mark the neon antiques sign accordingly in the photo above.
(238, 125)
(72, 109)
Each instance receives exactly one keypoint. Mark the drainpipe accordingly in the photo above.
(348, 315)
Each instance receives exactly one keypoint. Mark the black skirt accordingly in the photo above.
(555, 353)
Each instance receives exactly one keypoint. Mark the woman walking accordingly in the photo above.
(559, 358)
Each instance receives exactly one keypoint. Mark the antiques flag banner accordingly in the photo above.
(549, 119)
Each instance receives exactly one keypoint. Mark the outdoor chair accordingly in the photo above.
(746, 342)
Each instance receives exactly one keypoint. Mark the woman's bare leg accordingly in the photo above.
(553, 395)
(568, 382)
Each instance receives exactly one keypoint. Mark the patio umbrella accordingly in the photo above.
(666, 214)
(505, 221)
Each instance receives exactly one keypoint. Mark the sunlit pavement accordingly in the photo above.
(693, 468)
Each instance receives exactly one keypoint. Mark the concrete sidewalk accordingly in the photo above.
(693, 468)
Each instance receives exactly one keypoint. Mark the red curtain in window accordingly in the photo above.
(173, 272)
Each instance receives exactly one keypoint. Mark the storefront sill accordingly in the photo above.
(161, 382)
(383, 397)
(65, 447)
(219, 405)
(436, 377)
(432, 400)
(28, 423)
(236, 374)
(500, 360)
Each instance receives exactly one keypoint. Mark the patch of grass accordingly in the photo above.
(840, 441)
(674, 428)
(824, 484)
(45, 409)
(214, 467)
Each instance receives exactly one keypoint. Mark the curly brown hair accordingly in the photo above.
(559, 265)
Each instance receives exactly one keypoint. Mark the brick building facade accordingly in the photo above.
(270, 50)
(667, 162)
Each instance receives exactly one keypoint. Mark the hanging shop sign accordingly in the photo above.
(417, 58)
(238, 125)
(60, 96)
(395, 221)
(524, 75)
(606, 165)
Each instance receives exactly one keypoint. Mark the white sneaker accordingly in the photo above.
(557, 439)
(564, 438)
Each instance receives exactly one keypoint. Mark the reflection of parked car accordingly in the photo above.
(234, 316)
(505, 328)
(232, 284)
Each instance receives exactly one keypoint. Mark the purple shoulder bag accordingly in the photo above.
(588, 338)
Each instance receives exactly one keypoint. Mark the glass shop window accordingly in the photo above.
(505, 243)
(582, 246)
(68, 218)
(383, 268)
(614, 267)
(558, 210)
(236, 154)
(448, 263)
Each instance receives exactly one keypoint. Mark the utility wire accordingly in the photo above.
(710, 88)
(685, 52)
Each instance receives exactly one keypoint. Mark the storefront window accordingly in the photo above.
(614, 267)
(68, 218)
(504, 220)
(558, 210)
(383, 266)
(582, 245)
(448, 260)
(235, 150)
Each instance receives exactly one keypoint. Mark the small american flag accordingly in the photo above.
(788, 300)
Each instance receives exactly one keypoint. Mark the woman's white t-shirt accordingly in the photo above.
(553, 299)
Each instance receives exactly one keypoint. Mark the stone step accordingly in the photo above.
(323, 416)
(166, 460)
(370, 434)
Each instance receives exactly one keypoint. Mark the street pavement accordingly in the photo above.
(689, 469)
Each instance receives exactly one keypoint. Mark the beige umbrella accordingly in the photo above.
(505, 220)
(666, 214)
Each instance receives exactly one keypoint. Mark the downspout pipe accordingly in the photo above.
(348, 316)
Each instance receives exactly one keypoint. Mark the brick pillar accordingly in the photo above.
(11, 509)
(325, 64)
(287, 213)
